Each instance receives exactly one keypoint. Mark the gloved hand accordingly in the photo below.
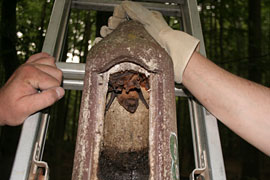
(119, 16)
(179, 45)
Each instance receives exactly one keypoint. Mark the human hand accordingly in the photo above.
(179, 45)
(118, 17)
(35, 85)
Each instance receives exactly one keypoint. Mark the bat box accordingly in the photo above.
(127, 126)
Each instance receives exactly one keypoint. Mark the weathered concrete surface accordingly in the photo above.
(125, 131)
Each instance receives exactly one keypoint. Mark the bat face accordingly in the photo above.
(129, 100)
(126, 86)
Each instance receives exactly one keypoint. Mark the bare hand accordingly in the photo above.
(35, 85)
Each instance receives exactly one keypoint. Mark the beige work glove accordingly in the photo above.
(119, 16)
(179, 45)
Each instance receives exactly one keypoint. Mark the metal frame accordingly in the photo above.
(108, 5)
(206, 142)
(30, 148)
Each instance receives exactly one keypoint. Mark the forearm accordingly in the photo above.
(240, 104)
(2, 121)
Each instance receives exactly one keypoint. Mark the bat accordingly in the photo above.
(126, 87)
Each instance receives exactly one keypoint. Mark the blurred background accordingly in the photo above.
(237, 38)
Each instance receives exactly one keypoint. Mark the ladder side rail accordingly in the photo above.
(21, 165)
(35, 127)
(205, 130)
(196, 129)
(159, 1)
(55, 35)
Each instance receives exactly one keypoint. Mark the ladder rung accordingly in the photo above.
(105, 5)
(73, 71)
(73, 74)
(167, 1)
(159, 1)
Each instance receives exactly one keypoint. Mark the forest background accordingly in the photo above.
(237, 38)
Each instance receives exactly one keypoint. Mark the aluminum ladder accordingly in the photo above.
(208, 156)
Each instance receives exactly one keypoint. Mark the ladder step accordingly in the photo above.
(156, 1)
(167, 1)
(73, 74)
(108, 5)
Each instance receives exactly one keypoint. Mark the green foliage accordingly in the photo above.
(225, 28)
(32, 22)
(81, 34)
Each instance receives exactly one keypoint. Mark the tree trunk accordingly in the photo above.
(211, 36)
(8, 57)
(254, 40)
(86, 36)
(251, 155)
(75, 116)
(8, 53)
(221, 22)
(42, 24)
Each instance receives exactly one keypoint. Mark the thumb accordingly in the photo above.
(137, 12)
(46, 98)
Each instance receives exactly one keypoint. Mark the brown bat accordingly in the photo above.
(126, 86)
